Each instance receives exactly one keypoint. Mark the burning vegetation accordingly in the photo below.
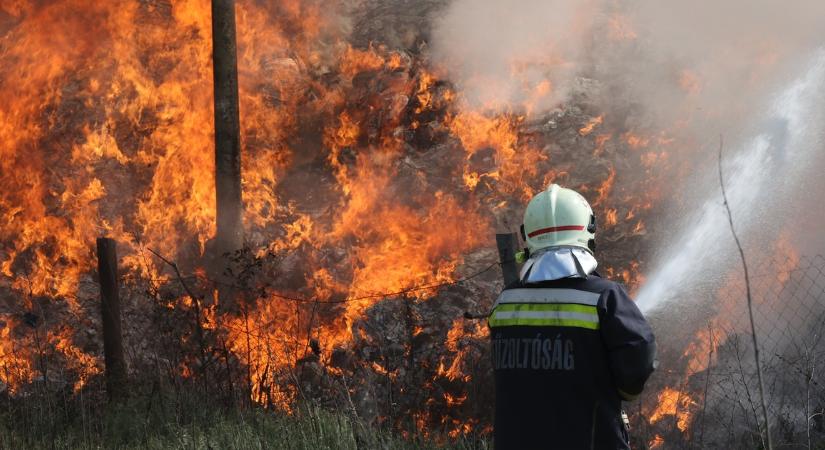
(372, 189)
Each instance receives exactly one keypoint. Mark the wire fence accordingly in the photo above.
(705, 394)
(267, 349)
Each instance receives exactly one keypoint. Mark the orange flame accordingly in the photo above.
(107, 130)
(591, 124)
(674, 403)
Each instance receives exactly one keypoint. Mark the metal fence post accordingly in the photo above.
(507, 244)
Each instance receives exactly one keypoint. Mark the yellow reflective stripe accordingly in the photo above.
(549, 307)
(563, 315)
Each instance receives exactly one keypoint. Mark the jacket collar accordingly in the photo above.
(556, 263)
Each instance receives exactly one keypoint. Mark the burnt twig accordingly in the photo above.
(195, 302)
(707, 384)
(750, 303)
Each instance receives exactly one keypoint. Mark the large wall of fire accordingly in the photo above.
(364, 171)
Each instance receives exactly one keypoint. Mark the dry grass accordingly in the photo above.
(188, 422)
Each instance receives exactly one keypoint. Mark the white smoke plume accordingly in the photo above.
(506, 56)
(703, 60)
(693, 70)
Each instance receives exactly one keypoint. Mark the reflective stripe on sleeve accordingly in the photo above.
(548, 296)
(564, 315)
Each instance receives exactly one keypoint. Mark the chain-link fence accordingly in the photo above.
(706, 395)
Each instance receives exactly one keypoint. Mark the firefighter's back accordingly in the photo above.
(566, 344)
(554, 388)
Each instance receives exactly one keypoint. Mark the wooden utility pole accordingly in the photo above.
(507, 244)
(229, 236)
(110, 309)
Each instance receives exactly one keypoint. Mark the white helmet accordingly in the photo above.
(558, 217)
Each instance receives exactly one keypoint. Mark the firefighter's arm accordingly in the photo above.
(631, 347)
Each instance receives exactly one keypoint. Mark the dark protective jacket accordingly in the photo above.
(565, 353)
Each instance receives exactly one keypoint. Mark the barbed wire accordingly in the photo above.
(254, 331)
(424, 287)
(386, 295)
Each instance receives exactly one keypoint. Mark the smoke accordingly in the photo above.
(504, 56)
(689, 71)
(712, 64)
(703, 61)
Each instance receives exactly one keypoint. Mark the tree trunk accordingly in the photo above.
(229, 208)
(229, 236)
(110, 309)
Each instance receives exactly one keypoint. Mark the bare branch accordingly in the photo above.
(195, 302)
(707, 384)
(177, 273)
(750, 302)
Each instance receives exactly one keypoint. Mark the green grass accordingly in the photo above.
(193, 424)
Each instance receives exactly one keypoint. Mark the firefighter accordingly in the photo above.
(567, 345)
